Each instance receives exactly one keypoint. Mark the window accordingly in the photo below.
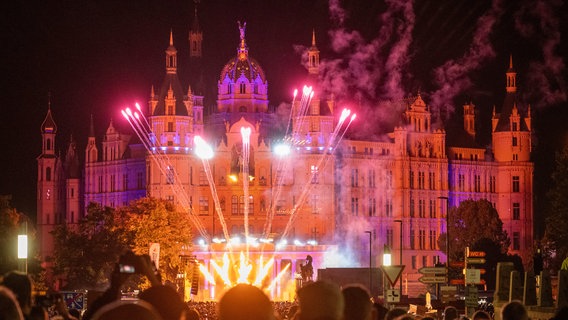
(281, 206)
(388, 207)
(124, 181)
(202, 177)
(48, 174)
(170, 110)
(234, 205)
(492, 184)
(516, 186)
(315, 203)
(314, 174)
(354, 177)
(100, 184)
(170, 126)
(390, 237)
(411, 179)
(477, 183)
(420, 180)
(203, 205)
(433, 240)
(422, 239)
(461, 182)
(515, 126)
(242, 87)
(372, 207)
(371, 178)
(424, 261)
(389, 179)
(422, 208)
(516, 211)
(516, 241)
(412, 239)
(170, 175)
(112, 183)
(515, 157)
(431, 180)
(413, 262)
(412, 208)
(432, 208)
(354, 206)
(514, 141)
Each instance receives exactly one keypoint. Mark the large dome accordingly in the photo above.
(242, 65)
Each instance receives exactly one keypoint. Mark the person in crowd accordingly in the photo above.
(320, 300)
(166, 300)
(38, 313)
(480, 315)
(245, 302)
(395, 313)
(292, 312)
(451, 313)
(9, 307)
(192, 314)
(514, 310)
(139, 310)
(380, 310)
(21, 285)
(358, 305)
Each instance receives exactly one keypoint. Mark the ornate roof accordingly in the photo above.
(243, 64)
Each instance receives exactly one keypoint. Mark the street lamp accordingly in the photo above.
(23, 250)
(400, 221)
(386, 263)
(447, 233)
(370, 263)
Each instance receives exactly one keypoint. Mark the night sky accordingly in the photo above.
(96, 57)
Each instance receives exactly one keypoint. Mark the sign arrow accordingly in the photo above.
(432, 270)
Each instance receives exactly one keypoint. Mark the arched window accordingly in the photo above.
(48, 144)
(242, 87)
(242, 109)
(48, 174)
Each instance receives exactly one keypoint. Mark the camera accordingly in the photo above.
(130, 263)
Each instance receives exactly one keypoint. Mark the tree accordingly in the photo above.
(85, 255)
(472, 221)
(156, 221)
(556, 234)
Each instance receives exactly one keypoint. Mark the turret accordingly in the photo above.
(91, 151)
(469, 119)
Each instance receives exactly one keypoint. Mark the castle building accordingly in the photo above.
(324, 192)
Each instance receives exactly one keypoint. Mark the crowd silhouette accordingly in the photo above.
(315, 300)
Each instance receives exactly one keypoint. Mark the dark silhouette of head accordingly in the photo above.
(481, 315)
(166, 300)
(395, 313)
(320, 300)
(358, 305)
(21, 285)
(451, 313)
(514, 310)
(9, 308)
(140, 310)
(245, 302)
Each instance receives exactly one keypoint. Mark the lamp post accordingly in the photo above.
(23, 250)
(387, 262)
(447, 234)
(400, 221)
(370, 263)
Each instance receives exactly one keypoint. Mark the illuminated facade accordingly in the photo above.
(316, 194)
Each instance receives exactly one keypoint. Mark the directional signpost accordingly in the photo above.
(476, 260)
(433, 275)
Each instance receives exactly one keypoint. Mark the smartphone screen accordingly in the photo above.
(126, 268)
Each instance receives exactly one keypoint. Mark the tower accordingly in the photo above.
(72, 185)
(511, 143)
(47, 186)
(195, 37)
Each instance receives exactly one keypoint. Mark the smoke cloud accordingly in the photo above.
(453, 76)
(536, 21)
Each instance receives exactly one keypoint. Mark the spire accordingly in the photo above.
(313, 56)
(152, 93)
(511, 77)
(243, 50)
(195, 36)
(313, 37)
(171, 56)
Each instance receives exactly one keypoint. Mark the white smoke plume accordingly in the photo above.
(536, 21)
(453, 76)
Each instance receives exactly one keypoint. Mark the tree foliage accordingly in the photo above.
(556, 235)
(155, 221)
(86, 254)
(472, 221)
